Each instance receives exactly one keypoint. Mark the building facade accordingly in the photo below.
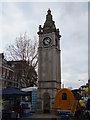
(11, 73)
(6, 73)
(19, 72)
(49, 64)
(16, 73)
(0, 71)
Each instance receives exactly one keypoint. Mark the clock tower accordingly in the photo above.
(49, 65)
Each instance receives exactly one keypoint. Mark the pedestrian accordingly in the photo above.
(88, 104)
(79, 113)
(88, 109)
(19, 110)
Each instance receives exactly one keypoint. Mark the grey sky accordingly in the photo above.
(72, 20)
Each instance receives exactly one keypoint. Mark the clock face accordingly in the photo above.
(46, 41)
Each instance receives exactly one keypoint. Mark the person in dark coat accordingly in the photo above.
(19, 109)
(88, 104)
(88, 109)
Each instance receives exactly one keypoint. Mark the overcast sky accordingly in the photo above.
(72, 20)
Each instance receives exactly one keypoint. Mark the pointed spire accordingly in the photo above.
(49, 11)
(49, 25)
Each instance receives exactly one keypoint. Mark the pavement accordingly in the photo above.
(43, 116)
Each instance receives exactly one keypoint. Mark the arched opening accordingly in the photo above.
(46, 103)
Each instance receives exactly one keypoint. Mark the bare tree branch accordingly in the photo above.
(26, 50)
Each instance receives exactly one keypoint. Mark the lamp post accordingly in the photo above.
(82, 81)
(62, 84)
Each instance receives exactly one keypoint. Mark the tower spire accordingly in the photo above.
(49, 25)
(49, 11)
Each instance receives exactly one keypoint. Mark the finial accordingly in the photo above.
(49, 11)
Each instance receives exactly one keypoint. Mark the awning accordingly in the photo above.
(12, 91)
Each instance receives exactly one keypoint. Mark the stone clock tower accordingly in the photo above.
(49, 67)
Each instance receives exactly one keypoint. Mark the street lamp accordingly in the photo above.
(82, 81)
(62, 84)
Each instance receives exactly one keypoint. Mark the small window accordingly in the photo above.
(64, 96)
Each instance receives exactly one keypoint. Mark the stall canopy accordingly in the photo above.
(28, 89)
(13, 92)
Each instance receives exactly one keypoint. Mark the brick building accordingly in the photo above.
(16, 73)
(6, 74)
(19, 72)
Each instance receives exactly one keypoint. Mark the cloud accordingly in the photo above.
(70, 18)
(74, 42)
(45, 0)
(0, 26)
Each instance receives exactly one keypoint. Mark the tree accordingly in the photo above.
(25, 50)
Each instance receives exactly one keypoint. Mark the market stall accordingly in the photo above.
(10, 97)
